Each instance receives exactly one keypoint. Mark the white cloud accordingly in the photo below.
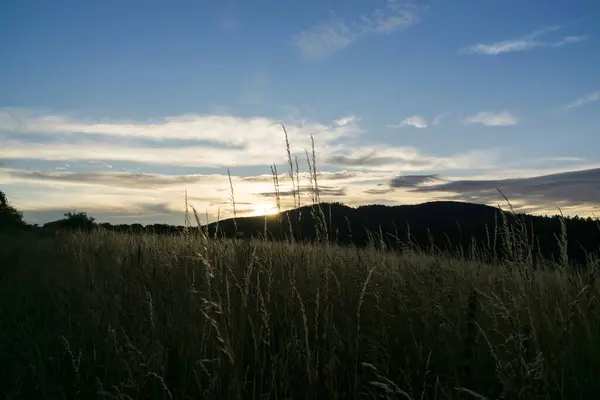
(588, 98)
(189, 156)
(524, 43)
(368, 157)
(492, 119)
(336, 34)
(212, 140)
(324, 39)
(415, 121)
(208, 141)
(218, 129)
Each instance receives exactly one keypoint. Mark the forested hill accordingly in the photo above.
(451, 226)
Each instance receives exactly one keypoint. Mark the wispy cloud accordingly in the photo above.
(115, 179)
(523, 43)
(492, 119)
(324, 39)
(335, 34)
(192, 140)
(219, 129)
(307, 190)
(412, 181)
(588, 98)
(416, 121)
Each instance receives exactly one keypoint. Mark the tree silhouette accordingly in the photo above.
(73, 220)
(10, 217)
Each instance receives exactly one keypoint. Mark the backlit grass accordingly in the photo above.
(106, 315)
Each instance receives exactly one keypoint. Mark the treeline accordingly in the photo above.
(465, 229)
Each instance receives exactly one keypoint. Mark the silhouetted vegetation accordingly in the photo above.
(10, 217)
(464, 229)
(73, 221)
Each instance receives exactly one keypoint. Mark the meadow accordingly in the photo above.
(122, 316)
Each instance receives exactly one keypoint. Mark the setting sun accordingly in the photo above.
(264, 209)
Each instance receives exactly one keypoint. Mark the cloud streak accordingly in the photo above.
(225, 130)
(336, 34)
(416, 121)
(115, 179)
(307, 190)
(588, 98)
(521, 44)
(487, 118)
(411, 181)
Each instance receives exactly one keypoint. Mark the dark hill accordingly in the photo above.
(450, 226)
(447, 226)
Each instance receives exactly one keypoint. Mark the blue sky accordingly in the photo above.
(117, 107)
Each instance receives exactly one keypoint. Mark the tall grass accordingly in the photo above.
(107, 315)
(120, 316)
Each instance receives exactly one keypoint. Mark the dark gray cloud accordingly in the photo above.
(573, 188)
(339, 175)
(411, 181)
(120, 179)
(383, 190)
(307, 190)
(227, 203)
(373, 160)
(402, 182)
(363, 161)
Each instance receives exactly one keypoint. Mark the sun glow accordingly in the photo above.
(264, 209)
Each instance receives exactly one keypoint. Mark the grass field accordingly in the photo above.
(107, 315)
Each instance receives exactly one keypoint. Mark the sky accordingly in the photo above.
(117, 108)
